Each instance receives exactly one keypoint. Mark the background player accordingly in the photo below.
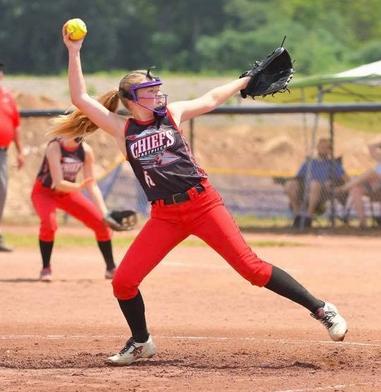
(9, 132)
(183, 201)
(56, 187)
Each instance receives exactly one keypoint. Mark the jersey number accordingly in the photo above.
(148, 180)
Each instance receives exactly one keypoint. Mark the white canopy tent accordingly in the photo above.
(369, 74)
(345, 82)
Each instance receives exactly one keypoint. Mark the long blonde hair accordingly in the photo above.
(77, 124)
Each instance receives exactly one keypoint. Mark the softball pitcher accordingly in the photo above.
(183, 201)
(56, 187)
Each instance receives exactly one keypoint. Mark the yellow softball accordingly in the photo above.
(76, 29)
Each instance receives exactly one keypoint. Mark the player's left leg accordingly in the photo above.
(218, 229)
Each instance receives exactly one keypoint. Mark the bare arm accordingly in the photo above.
(185, 110)
(53, 154)
(359, 180)
(20, 154)
(92, 187)
(95, 111)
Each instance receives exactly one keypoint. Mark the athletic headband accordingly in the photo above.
(131, 93)
(132, 90)
(159, 111)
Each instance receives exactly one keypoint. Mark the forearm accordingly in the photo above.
(359, 180)
(221, 94)
(67, 186)
(17, 140)
(97, 197)
(77, 83)
(185, 110)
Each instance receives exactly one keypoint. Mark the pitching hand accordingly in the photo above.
(70, 44)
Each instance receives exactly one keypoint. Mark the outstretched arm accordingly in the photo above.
(95, 111)
(185, 110)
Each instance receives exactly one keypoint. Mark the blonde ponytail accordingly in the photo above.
(76, 124)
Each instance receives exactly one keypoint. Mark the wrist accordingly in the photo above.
(74, 52)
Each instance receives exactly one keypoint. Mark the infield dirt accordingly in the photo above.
(214, 331)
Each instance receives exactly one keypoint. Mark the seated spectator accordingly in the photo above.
(366, 184)
(316, 177)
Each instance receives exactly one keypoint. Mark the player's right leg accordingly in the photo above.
(45, 206)
(154, 241)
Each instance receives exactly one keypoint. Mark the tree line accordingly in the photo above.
(209, 36)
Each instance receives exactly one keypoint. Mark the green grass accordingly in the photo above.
(62, 240)
(123, 241)
(248, 221)
(274, 244)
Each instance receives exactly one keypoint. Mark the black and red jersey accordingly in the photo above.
(161, 158)
(71, 164)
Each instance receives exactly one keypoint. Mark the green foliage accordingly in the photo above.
(369, 52)
(193, 35)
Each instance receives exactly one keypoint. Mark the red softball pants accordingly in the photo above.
(46, 201)
(204, 216)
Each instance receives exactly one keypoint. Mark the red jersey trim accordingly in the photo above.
(126, 127)
(172, 121)
(142, 122)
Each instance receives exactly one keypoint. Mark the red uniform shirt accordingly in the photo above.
(9, 118)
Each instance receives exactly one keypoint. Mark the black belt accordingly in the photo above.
(181, 197)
